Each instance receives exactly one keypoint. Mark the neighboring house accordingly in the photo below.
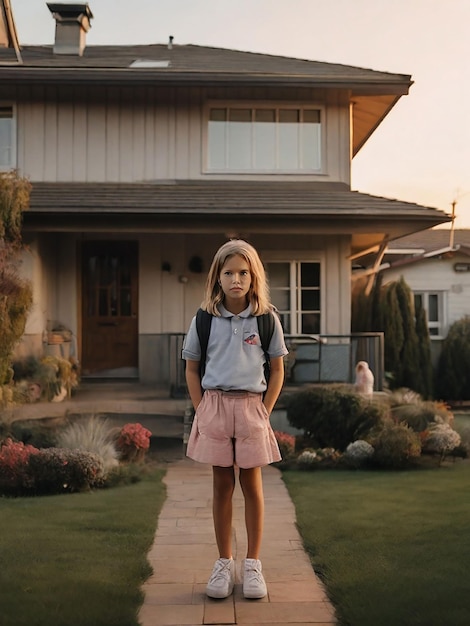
(144, 159)
(436, 266)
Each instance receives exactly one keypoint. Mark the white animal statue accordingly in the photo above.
(364, 379)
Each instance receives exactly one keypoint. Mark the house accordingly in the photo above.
(435, 264)
(144, 159)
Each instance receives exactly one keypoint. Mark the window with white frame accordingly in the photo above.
(7, 138)
(432, 303)
(295, 292)
(264, 139)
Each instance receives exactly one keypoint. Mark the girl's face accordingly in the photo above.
(235, 280)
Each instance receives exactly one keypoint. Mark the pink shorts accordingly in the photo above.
(232, 428)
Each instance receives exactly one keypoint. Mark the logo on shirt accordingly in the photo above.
(252, 339)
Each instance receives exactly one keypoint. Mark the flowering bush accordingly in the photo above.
(14, 457)
(286, 443)
(358, 452)
(307, 459)
(133, 442)
(58, 470)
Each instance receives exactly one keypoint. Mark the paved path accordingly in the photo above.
(184, 552)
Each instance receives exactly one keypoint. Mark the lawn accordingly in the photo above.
(78, 559)
(393, 548)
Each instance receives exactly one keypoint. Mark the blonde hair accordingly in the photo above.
(258, 294)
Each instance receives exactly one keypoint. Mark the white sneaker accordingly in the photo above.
(254, 585)
(222, 579)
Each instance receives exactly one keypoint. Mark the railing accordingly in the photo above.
(311, 359)
(333, 358)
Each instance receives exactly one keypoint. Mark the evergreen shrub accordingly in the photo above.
(333, 415)
(395, 445)
(453, 370)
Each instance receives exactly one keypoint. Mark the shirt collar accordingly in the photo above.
(225, 313)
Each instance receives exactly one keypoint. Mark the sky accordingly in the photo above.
(421, 151)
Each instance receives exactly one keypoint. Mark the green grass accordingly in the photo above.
(77, 560)
(393, 548)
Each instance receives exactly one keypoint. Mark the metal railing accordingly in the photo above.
(311, 359)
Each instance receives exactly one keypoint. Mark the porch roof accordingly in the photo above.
(208, 206)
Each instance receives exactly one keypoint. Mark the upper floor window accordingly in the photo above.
(7, 138)
(264, 139)
(295, 292)
(432, 303)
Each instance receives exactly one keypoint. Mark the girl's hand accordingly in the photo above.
(276, 380)
(193, 380)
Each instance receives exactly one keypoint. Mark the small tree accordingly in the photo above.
(15, 293)
(424, 350)
(453, 370)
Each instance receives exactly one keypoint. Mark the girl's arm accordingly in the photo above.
(193, 380)
(276, 380)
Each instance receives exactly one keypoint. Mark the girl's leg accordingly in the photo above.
(223, 486)
(251, 482)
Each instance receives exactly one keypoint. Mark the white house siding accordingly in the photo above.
(438, 275)
(116, 135)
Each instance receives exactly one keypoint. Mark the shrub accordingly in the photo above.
(395, 445)
(58, 470)
(333, 416)
(307, 459)
(133, 442)
(320, 458)
(441, 439)
(14, 459)
(358, 453)
(93, 434)
(34, 433)
(416, 416)
(286, 444)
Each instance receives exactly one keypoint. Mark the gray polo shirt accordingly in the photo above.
(235, 357)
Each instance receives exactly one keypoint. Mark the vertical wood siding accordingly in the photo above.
(81, 134)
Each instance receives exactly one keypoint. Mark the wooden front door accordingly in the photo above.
(109, 306)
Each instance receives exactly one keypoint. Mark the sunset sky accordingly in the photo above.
(420, 153)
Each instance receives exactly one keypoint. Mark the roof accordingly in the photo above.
(286, 206)
(432, 239)
(373, 93)
(193, 58)
(189, 63)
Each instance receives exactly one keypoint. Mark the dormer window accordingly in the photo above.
(265, 139)
(7, 138)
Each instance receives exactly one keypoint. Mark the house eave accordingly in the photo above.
(112, 76)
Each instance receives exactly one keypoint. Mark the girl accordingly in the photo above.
(233, 402)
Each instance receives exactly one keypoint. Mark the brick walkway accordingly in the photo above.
(184, 552)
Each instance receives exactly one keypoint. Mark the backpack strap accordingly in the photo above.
(266, 331)
(203, 327)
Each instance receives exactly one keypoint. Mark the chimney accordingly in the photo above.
(72, 22)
